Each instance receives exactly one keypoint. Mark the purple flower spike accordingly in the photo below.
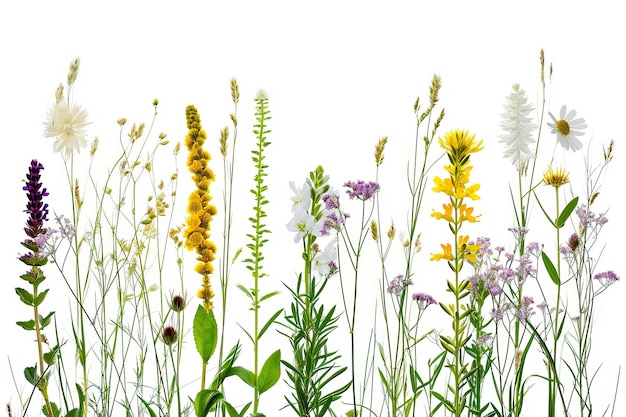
(361, 189)
(36, 208)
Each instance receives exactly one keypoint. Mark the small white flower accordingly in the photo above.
(323, 261)
(567, 129)
(67, 123)
(303, 224)
(302, 196)
(517, 126)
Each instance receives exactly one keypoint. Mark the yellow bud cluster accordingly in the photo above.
(200, 210)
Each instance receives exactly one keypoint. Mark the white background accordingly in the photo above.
(339, 76)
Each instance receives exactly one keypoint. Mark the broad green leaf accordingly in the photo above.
(27, 325)
(45, 321)
(55, 410)
(30, 373)
(205, 333)
(25, 296)
(245, 375)
(51, 356)
(41, 297)
(554, 275)
(567, 211)
(270, 372)
(205, 401)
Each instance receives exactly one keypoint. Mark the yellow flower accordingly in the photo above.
(459, 145)
(471, 192)
(444, 185)
(447, 253)
(556, 178)
(466, 214)
(446, 215)
(200, 210)
(466, 250)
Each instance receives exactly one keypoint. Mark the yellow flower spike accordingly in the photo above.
(556, 178)
(200, 211)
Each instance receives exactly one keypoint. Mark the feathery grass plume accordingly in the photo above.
(379, 149)
(200, 210)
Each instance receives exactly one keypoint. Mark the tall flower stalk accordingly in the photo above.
(36, 241)
(197, 235)
(459, 146)
(398, 345)
(261, 378)
(308, 323)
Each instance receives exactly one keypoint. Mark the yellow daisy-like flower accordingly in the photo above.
(556, 178)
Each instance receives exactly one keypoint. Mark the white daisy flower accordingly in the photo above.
(67, 123)
(567, 129)
(518, 126)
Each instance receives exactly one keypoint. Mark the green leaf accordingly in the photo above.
(269, 322)
(45, 321)
(25, 296)
(244, 289)
(205, 333)
(270, 372)
(55, 410)
(244, 374)
(81, 400)
(206, 400)
(567, 211)
(30, 373)
(554, 275)
(51, 356)
(150, 410)
(41, 297)
(231, 410)
(73, 413)
(27, 325)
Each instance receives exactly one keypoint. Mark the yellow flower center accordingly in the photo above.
(562, 127)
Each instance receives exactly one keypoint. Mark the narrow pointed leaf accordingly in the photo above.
(567, 211)
(554, 275)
